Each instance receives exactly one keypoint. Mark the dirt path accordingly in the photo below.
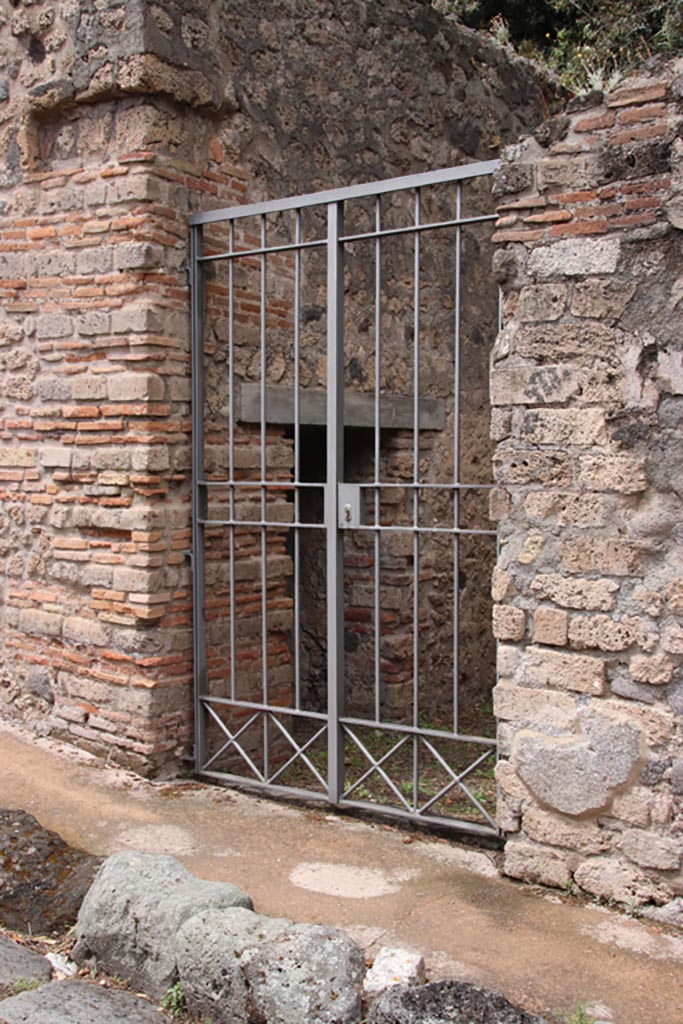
(384, 886)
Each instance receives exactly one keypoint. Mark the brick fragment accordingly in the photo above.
(634, 96)
(595, 122)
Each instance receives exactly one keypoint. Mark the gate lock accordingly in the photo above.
(350, 506)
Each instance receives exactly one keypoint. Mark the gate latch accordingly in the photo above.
(350, 506)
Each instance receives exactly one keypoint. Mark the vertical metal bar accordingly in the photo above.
(416, 468)
(198, 494)
(335, 471)
(378, 427)
(231, 452)
(264, 500)
(456, 464)
(297, 464)
(416, 772)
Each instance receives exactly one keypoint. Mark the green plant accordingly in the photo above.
(580, 1016)
(570, 887)
(25, 985)
(589, 44)
(174, 999)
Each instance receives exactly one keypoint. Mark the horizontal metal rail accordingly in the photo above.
(410, 730)
(341, 195)
(408, 528)
(317, 243)
(275, 709)
(291, 484)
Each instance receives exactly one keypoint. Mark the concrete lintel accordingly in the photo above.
(396, 411)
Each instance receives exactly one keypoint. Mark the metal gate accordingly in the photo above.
(341, 541)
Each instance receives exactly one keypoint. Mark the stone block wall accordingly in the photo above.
(587, 395)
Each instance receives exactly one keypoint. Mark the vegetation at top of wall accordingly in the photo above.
(590, 44)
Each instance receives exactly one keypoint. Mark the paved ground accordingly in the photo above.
(382, 885)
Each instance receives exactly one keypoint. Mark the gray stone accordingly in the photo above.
(129, 918)
(210, 951)
(580, 773)
(677, 776)
(447, 1002)
(653, 772)
(309, 975)
(20, 964)
(622, 686)
(77, 1002)
(42, 879)
(237, 967)
(39, 683)
(671, 913)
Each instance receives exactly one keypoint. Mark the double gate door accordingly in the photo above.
(342, 547)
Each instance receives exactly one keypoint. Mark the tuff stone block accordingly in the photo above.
(537, 864)
(135, 387)
(578, 673)
(612, 879)
(584, 836)
(550, 626)
(576, 592)
(544, 708)
(651, 851)
(508, 622)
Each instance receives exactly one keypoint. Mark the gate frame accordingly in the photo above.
(334, 200)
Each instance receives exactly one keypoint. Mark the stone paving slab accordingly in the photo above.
(77, 1002)
(18, 964)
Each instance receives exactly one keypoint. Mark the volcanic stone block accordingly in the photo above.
(78, 1002)
(18, 964)
(237, 967)
(129, 919)
(447, 1002)
(42, 879)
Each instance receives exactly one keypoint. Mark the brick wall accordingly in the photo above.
(587, 394)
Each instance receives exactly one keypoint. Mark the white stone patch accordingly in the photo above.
(600, 1012)
(574, 257)
(455, 856)
(158, 839)
(633, 937)
(61, 965)
(393, 967)
(670, 370)
(348, 881)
